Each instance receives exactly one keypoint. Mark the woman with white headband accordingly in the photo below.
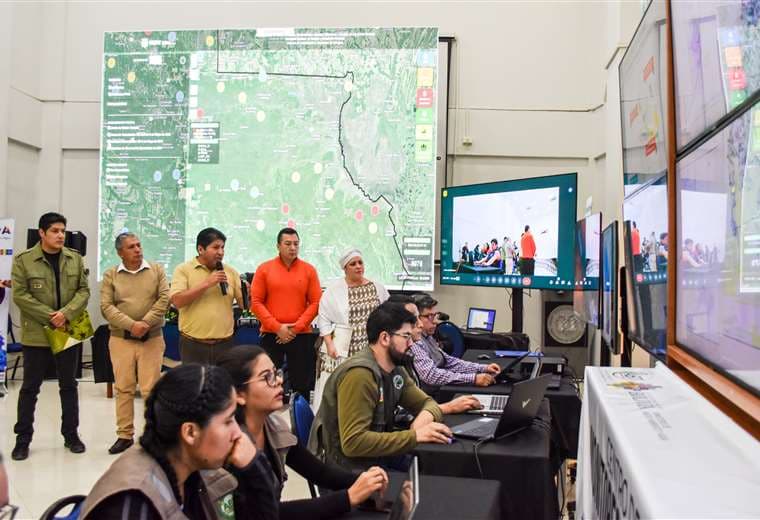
(342, 319)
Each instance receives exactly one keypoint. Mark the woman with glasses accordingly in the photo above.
(175, 472)
(342, 320)
(259, 397)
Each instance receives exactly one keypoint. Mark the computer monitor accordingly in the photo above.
(481, 319)
(643, 100)
(517, 233)
(646, 245)
(588, 233)
(718, 251)
(715, 69)
(609, 288)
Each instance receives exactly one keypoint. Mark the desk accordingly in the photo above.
(521, 462)
(566, 406)
(446, 497)
(495, 341)
(652, 447)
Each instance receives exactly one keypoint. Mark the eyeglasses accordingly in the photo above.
(406, 335)
(8, 512)
(429, 315)
(270, 378)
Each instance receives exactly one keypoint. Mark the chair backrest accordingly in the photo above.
(301, 416)
(452, 333)
(62, 503)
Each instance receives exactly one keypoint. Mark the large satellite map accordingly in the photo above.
(330, 131)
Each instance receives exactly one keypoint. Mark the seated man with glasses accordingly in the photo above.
(434, 367)
(354, 425)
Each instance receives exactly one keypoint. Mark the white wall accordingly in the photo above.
(529, 85)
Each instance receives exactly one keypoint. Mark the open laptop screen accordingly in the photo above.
(481, 319)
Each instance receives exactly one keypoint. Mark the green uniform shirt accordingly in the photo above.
(34, 291)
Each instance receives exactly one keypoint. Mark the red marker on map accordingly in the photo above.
(285, 208)
(375, 210)
(291, 223)
(359, 215)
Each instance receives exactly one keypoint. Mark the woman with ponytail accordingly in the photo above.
(174, 473)
(258, 384)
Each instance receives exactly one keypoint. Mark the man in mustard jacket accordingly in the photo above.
(50, 288)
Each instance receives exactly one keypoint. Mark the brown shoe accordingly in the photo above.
(120, 445)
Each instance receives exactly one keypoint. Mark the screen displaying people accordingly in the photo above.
(718, 291)
(512, 233)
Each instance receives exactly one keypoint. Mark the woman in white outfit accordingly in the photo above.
(343, 311)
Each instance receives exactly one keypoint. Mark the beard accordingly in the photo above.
(398, 358)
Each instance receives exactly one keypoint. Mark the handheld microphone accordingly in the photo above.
(222, 285)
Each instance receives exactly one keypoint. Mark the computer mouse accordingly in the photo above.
(484, 356)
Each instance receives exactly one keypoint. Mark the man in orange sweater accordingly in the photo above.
(285, 298)
(527, 252)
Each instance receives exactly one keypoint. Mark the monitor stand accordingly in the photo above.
(517, 310)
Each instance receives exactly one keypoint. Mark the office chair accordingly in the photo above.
(453, 335)
(171, 340)
(62, 503)
(301, 417)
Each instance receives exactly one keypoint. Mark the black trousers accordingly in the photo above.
(301, 358)
(196, 352)
(36, 360)
(527, 266)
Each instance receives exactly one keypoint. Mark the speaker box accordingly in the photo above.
(564, 333)
(74, 240)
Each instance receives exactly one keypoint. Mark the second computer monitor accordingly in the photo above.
(481, 319)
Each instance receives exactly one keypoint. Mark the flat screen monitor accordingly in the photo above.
(517, 233)
(481, 319)
(716, 62)
(645, 242)
(718, 251)
(588, 233)
(643, 106)
(609, 287)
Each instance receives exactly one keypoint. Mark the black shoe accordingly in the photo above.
(20, 451)
(74, 444)
(120, 445)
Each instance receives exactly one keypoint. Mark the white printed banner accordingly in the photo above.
(652, 447)
(6, 260)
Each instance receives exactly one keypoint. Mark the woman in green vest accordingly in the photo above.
(259, 396)
(189, 427)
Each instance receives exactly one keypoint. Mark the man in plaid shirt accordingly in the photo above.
(434, 367)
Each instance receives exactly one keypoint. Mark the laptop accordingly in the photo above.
(480, 321)
(494, 403)
(408, 498)
(518, 412)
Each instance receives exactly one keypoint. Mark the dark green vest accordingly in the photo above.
(324, 439)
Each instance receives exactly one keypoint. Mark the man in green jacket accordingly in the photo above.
(354, 425)
(50, 288)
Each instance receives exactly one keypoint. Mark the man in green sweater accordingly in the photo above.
(134, 297)
(354, 425)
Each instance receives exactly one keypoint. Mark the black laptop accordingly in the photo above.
(522, 406)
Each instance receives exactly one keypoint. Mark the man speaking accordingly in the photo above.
(203, 290)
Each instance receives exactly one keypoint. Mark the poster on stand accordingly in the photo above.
(6, 260)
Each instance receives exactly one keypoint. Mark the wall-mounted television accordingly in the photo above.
(646, 246)
(516, 233)
(643, 106)
(609, 288)
(718, 251)
(716, 62)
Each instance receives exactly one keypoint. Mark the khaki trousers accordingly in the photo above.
(133, 362)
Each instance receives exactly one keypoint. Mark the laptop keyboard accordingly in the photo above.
(492, 403)
(478, 428)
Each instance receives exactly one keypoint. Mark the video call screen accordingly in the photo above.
(516, 233)
(647, 249)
